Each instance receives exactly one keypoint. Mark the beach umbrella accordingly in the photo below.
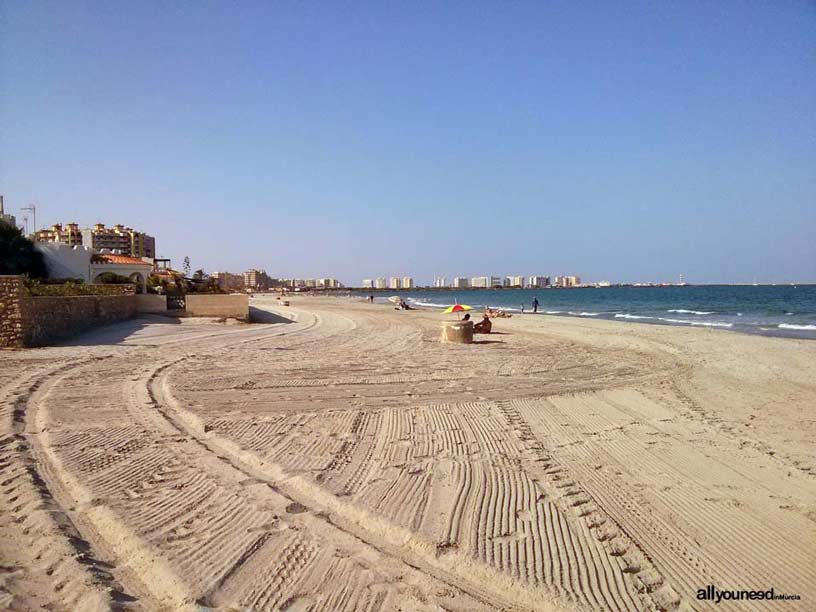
(457, 308)
(395, 299)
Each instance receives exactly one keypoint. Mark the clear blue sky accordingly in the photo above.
(613, 140)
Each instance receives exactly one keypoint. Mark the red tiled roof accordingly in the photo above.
(117, 259)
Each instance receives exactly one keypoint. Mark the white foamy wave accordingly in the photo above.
(584, 314)
(428, 304)
(697, 323)
(631, 316)
(797, 327)
(554, 312)
(684, 311)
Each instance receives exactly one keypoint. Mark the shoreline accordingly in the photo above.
(614, 317)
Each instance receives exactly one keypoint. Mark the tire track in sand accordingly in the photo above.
(478, 580)
(50, 548)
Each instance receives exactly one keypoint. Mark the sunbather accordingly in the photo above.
(484, 326)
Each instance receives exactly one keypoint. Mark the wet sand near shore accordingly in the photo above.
(339, 457)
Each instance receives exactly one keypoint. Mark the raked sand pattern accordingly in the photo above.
(345, 460)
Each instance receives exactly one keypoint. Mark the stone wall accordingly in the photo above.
(40, 320)
(235, 306)
(12, 294)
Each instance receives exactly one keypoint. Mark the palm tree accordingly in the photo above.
(18, 255)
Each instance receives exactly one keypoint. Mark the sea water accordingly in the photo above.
(780, 310)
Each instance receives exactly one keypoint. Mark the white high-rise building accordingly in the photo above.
(460, 282)
(394, 282)
(480, 281)
(379, 283)
(368, 283)
(495, 281)
(567, 281)
(440, 281)
(538, 282)
(407, 282)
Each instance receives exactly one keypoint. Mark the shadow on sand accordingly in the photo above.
(116, 333)
(259, 315)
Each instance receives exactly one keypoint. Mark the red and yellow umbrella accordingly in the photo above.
(457, 308)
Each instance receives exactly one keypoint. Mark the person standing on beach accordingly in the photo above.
(535, 304)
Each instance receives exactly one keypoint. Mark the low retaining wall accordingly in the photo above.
(39, 320)
(233, 306)
(149, 302)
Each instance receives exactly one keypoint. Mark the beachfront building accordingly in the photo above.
(69, 234)
(460, 282)
(440, 282)
(256, 280)
(567, 281)
(120, 239)
(538, 282)
(227, 281)
(4, 218)
(515, 282)
(395, 282)
(368, 283)
(379, 283)
(495, 281)
(480, 282)
(407, 282)
(329, 283)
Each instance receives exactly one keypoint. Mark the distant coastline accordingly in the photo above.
(774, 310)
(627, 285)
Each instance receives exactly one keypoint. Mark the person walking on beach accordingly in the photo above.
(535, 304)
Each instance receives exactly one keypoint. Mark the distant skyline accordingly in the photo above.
(627, 141)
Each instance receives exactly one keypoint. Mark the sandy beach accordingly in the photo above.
(338, 457)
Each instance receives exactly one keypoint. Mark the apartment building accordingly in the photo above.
(69, 234)
(329, 283)
(395, 283)
(440, 281)
(119, 238)
(537, 282)
(257, 280)
(380, 283)
(460, 282)
(567, 281)
(407, 282)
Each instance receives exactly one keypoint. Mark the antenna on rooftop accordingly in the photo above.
(33, 210)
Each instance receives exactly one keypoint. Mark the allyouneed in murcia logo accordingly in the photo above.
(712, 593)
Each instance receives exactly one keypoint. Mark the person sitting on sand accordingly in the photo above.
(466, 317)
(484, 326)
